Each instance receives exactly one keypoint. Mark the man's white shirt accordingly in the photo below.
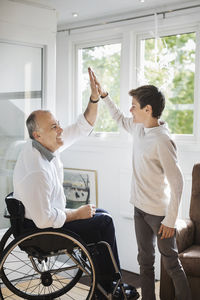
(38, 178)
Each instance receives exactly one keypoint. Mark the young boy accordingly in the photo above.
(155, 173)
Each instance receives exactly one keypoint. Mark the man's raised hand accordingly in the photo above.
(94, 81)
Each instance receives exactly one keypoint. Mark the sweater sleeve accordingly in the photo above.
(168, 160)
(124, 122)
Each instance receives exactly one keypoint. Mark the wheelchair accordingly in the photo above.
(46, 264)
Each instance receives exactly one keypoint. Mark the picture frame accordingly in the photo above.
(80, 187)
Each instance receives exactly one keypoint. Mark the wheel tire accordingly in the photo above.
(16, 267)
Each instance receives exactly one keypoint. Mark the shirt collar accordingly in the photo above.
(43, 151)
(162, 125)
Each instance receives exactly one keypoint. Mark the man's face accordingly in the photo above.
(139, 114)
(49, 132)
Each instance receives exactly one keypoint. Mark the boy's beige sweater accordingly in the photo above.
(157, 181)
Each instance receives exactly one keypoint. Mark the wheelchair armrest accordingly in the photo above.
(184, 234)
(15, 209)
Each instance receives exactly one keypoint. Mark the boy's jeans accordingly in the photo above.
(146, 228)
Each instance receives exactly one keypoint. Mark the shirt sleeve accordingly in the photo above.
(168, 159)
(76, 131)
(124, 122)
(36, 190)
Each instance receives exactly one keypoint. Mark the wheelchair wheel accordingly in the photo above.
(46, 265)
(6, 239)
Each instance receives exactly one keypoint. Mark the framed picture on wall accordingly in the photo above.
(80, 187)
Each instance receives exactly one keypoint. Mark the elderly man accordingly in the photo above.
(38, 177)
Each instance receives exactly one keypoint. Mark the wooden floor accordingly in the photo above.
(79, 292)
(128, 277)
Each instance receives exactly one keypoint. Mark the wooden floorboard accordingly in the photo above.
(78, 293)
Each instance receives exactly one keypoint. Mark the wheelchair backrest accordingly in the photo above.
(16, 212)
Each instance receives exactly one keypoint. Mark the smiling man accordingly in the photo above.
(155, 173)
(38, 174)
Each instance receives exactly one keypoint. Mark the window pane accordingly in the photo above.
(20, 93)
(105, 61)
(169, 63)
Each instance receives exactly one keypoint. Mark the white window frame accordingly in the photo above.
(181, 138)
(78, 96)
(43, 75)
(129, 36)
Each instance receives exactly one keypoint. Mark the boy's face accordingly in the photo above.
(140, 115)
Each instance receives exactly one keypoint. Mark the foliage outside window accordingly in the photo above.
(169, 63)
(105, 62)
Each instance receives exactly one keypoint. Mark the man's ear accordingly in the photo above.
(36, 135)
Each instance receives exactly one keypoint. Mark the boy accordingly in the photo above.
(155, 171)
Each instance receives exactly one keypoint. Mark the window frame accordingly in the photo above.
(77, 94)
(7, 159)
(43, 74)
(129, 37)
(180, 138)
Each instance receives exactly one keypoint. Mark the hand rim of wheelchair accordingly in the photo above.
(83, 248)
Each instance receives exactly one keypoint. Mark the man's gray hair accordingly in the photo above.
(31, 123)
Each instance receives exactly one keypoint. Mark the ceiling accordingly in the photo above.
(101, 9)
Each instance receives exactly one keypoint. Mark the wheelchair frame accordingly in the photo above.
(46, 261)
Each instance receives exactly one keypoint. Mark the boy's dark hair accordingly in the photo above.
(149, 95)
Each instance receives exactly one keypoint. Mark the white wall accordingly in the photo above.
(111, 157)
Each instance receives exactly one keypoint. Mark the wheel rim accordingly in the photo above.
(6, 239)
(22, 273)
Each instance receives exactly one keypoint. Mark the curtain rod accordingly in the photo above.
(131, 18)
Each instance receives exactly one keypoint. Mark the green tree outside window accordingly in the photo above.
(105, 61)
(171, 68)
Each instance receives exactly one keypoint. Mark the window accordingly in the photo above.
(169, 63)
(105, 61)
(20, 93)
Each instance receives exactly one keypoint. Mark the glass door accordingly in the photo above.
(20, 93)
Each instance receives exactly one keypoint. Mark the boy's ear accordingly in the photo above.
(148, 108)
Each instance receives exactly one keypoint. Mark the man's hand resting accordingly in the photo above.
(83, 212)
